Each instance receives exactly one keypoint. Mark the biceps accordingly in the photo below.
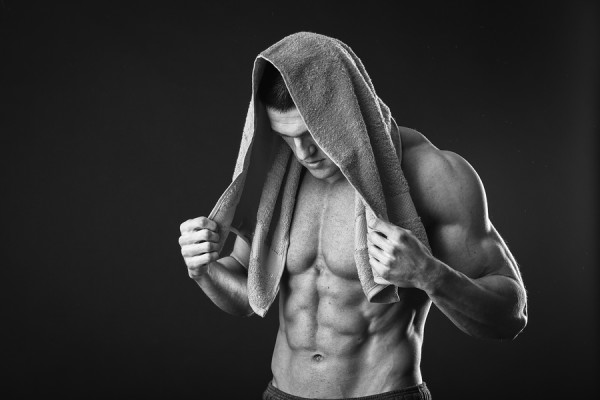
(476, 254)
(241, 252)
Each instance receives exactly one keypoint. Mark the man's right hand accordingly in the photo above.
(199, 243)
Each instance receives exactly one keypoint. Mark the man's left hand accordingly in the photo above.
(398, 256)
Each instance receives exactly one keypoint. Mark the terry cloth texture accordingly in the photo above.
(338, 104)
(419, 392)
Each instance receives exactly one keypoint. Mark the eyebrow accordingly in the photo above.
(281, 134)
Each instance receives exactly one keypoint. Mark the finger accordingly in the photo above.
(196, 249)
(380, 241)
(379, 255)
(199, 236)
(197, 261)
(197, 224)
(380, 269)
(379, 225)
(188, 226)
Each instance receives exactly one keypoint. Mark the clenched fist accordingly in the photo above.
(199, 243)
(398, 256)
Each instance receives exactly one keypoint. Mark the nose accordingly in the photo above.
(304, 149)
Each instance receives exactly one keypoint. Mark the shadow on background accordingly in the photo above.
(120, 122)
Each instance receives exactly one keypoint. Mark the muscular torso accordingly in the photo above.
(332, 342)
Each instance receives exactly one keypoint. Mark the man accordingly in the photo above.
(334, 342)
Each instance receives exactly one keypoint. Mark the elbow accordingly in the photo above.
(521, 321)
(243, 312)
(512, 326)
(517, 318)
(505, 322)
(248, 313)
(515, 327)
(505, 329)
(240, 313)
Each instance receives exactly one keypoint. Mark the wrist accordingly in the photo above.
(203, 275)
(435, 273)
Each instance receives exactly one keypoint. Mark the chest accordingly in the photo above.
(322, 230)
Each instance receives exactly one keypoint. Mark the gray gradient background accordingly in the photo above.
(120, 122)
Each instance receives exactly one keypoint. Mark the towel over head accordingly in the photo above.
(337, 101)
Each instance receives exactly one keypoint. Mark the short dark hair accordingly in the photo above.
(272, 90)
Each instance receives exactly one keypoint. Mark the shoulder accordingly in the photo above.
(444, 186)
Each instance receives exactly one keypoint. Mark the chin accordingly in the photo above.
(323, 173)
(319, 174)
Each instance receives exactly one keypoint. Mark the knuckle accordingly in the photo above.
(208, 234)
(191, 238)
(183, 226)
(404, 234)
(194, 262)
(190, 250)
(204, 247)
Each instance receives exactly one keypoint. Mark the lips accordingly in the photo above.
(313, 163)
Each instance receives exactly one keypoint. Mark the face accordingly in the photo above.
(290, 126)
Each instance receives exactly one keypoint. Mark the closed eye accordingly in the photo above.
(290, 136)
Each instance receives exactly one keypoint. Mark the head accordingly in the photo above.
(286, 121)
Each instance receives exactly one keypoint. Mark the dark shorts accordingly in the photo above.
(419, 392)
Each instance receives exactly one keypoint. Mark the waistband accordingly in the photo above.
(417, 392)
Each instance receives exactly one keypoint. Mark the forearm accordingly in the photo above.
(492, 307)
(226, 287)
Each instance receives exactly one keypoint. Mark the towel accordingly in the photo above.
(351, 124)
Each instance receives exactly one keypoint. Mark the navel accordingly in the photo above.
(317, 358)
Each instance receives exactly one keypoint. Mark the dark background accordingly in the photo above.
(118, 122)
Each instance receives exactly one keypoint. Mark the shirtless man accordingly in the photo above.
(332, 342)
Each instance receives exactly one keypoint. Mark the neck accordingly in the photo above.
(338, 176)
